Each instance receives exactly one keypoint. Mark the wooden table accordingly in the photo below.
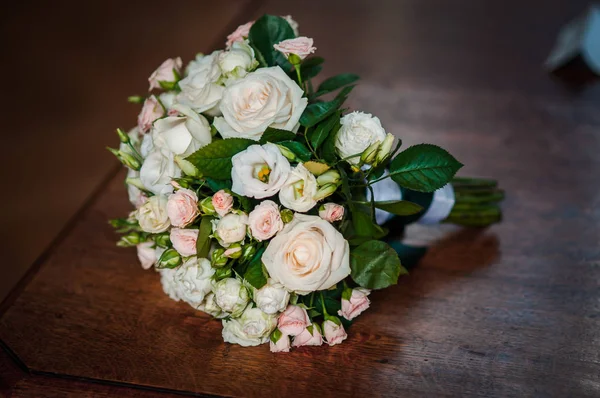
(509, 311)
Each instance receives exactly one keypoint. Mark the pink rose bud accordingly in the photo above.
(239, 34)
(282, 345)
(357, 303)
(166, 72)
(182, 207)
(308, 338)
(151, 111)
(222, 202)
(331, 212)
(300, 46)
(334, 333)
(184, 241)
(146, 254)
(265, 220)
(293, 320)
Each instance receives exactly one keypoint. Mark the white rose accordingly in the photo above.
(272, 297)
(231, 228)
(211, 308)
(299, 190)
(181, 135)
(259, 171)
(265, 220)
(167, 280)
(136, 196)
(308, 254)
(158, 170)
(264, 98)
(237, 62)
(358, 131)
(194, 280)
(152, 215)
(167, 99)
(231, 296)
(251, 329)
(201, 90)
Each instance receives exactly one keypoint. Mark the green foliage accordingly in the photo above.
(309, 68)
(328, 149)
(203, 241)
(375, 265)
(214, 159)
(299, 149)
(267, 31)
(320, 133)
(423, 168)
(399, 207)
(362, 228)
(276, 135)
(256, 274)
(335, 82)
(318, 111)
(217, 185)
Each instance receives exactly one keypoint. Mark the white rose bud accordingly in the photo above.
(231, 228)
(211, 308)
(167, 72)
(272, 297)
(265, 98)
(358, 131)
(194, 281)
(386, 148)
(231, 296)
(153, 216)
(237, 62)
(299, 190)
(251, 329)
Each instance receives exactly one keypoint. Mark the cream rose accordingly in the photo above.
(357, 303)
(222, 202)
(166, 72)
(194, 280)
(152, 215)
(181, 135)
(334, 333)
(211, 308)
(237, 62)
(201, 89)
(151, 110)
(302, 47)
(331, 212)
(251, 329)
(231, 228)
(182, 207)
(308, 254)
(259, 171)
(272, 297)
(299, 190)
(158, 170)
(231, 296)
(293, 320)
(167, 280)
(358, 131)
(146, 254)
(184, 241)
(308, 337)
(264, 98)
(265, 220)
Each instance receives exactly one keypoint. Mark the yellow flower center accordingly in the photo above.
(261, 172)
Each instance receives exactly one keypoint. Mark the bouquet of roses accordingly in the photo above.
(263, 202)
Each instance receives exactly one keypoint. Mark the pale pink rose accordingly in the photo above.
(222, 202)
(331, 212)
(300, 46)
(334, 333)
(358, 303)
(306, 338)
(151, 111)
(282, 345)
(165, 72)
(239, 34)
(293, 320)
(146, 254)
(265, 220)
(182, 207)
(184, 241)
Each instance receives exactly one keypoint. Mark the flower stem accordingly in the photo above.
(323, 305)
(297, 67)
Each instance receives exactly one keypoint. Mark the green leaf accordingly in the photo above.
(364, 225)
(299, 149)
(318, 135)
(267, 31)
(276, 135)
(203, 241)
(423, 168)
(316, 112)
(255, 274)
(399, 207)
(217, 185)
(328, 150)
(375, 265)
(310, 68)
(335, 82)
(214, 159)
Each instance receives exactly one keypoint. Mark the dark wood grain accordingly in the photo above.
(508, 311)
